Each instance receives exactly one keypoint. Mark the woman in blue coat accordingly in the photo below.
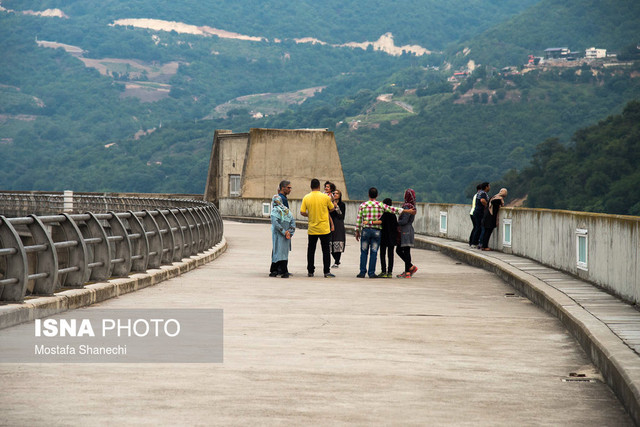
(283, 225)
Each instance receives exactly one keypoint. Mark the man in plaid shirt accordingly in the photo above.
(368, 225)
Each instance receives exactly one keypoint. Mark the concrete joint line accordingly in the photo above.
(14, 314)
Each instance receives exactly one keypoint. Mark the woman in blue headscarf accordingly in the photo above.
(283, 225)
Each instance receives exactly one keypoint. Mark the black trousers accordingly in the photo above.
(486, 236)
(280, 267)
(404, 252)
(386, 252)
(325, 242)
(473, 230)
(336, 256)
(477, 229)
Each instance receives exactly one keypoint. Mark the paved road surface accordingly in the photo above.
(447, 347)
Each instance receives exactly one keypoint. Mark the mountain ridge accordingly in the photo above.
(474, 124)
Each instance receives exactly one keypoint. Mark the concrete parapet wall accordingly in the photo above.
(547, 236)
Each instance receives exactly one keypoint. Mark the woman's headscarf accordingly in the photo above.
(409, 199)
(500, 196)
(279, 209)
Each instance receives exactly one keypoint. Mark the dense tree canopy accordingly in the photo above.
(598, 172)
(577, 25)
(429, 23)
(130, 125)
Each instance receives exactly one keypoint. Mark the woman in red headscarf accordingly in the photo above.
(405, 225)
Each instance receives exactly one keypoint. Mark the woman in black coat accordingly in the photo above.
(490, 218)
(338, 235)
(389, 239)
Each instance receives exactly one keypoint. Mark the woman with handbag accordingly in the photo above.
(405, 226)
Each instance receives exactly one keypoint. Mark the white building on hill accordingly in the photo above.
(593, 53)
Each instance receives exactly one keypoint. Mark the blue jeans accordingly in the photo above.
(476, 235)
(369, 241)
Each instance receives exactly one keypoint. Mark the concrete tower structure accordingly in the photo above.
(251, 165)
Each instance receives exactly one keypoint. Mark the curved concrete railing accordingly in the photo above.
(40, 254)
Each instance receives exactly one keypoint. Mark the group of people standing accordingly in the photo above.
(377, 227)
(326, 223)
(326, 212)
(484, 215)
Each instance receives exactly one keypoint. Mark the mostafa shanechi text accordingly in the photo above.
(83, 350)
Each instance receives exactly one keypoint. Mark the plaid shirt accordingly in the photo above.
(372, 210)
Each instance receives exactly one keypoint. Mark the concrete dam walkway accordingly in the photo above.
(454, 345)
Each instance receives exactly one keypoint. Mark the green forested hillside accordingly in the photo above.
(430, 23)
(64, 124)
(55, 110)
(130, 109)
(578, 25)
(598, 172)
(456, 140)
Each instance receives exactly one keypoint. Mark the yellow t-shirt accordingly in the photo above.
(318, 205)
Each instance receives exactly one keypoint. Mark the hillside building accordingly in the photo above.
(556, 52)
(251, 165)
(593, 53)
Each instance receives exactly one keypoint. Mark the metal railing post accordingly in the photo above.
(100, 250)
(139, 244)
(121, 247)
(46, 258)
(154, 238)
(168, 240)
(13, 284)
(77, 272)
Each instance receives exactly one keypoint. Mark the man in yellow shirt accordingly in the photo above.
(316, 206)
